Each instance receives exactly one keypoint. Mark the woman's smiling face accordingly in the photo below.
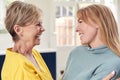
(86, 32)
(31, 33)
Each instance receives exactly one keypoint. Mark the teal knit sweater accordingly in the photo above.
(85, 63)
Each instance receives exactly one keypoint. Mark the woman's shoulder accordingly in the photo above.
(11, 64)
(15, 59)
(112, 64)
(113, 60)
(78, 48)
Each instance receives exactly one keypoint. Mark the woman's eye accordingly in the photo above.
(80, 21)
(38, 24)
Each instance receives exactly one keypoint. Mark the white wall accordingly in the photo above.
(5, 42)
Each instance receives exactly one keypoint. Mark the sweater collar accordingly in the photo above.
(99, 49)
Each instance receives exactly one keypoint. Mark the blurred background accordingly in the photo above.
(59, 21)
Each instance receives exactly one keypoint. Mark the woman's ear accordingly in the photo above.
(97, 26)
(18, 30)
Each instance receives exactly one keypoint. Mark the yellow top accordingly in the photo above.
(18, 67)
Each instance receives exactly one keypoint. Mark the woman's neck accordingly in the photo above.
(96, 43)
(22, 48)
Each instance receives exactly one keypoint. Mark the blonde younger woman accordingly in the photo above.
(100, 50)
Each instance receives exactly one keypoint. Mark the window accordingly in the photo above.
(65, 21)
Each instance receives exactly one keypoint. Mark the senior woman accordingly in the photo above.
(22, 61)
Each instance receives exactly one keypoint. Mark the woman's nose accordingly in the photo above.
(77, 29)
(42, 29)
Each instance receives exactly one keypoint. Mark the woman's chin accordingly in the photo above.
(38, 43)
(83, 43)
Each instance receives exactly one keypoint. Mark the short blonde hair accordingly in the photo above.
(103, 17)
(22, 14)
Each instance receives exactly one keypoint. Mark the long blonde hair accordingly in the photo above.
(22, 14)
(103, 16)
